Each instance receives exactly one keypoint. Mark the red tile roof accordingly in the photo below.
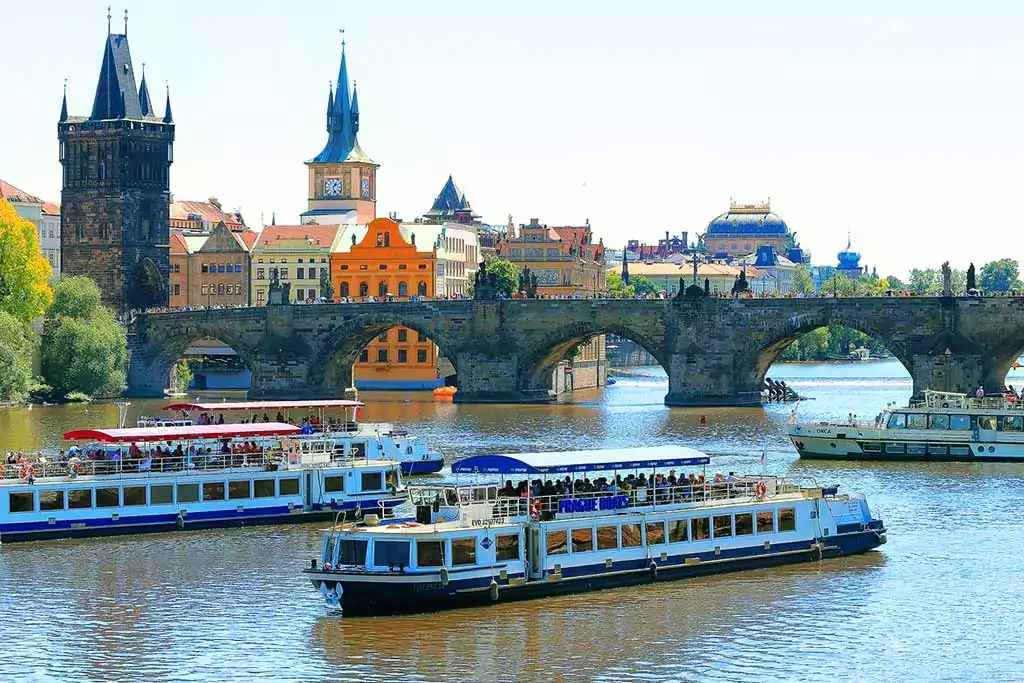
(180, 211)
(248, 237)
(178, 243)
(13, 194)
(322, 235)
(51, 209)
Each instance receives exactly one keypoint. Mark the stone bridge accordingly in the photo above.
(716, 351)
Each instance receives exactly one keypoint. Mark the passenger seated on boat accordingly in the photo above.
(719, 478)
(508, 491)
(280, 417)
(731, 478)
(220, 420)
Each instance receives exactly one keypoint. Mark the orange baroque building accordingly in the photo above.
(382, 263)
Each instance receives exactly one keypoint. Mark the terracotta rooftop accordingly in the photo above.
(207, 211)
(51, 209)
(316, 236)
(13, 194)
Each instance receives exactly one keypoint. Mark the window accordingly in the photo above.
(607, 538)
(51, 500)
(79, 498)
(897, 421)
(344, 266)
(557, 542)
(723, 526)
(300, 295)
(284, 273)
(107, 498)
(371, 481)
(352, 552)
(787, 519)
(260, 274)
(221, 268)
(655, 533)
(22, 501)
(230, 268)
(986, 422)
(177, 290)
(161, 495)
(765, 522)
(420, 337)
(506, 547)
(403, 356)
(134, 495)
(213, 490)
(334, 484)
(421, 356)
(263, 488)
(917, 421)
(391, 553)
(204, 268)
(383, 336)
(324, 273)
(630, 535)
(364, 356)
(382, 355)
(463, 551)
(582, 540)
(402, 266)
(238, 490)
(701, 529)
(938, 422)
(289, 487)
(1012, 423)
(300, 273)
(429, 553)
(421, 288)
(259, 295)
(204, 289)
(344, 289)
(403, 335)
(744, 523)
(962, 422)
(382, 288)
(423, 266)
(678, 531)
(403, 288)
(382, 266)
(220, 288)
(363, 267)
(364, 289)
(238, 267)
(284, 260)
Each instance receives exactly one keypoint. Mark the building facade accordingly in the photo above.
(672, 244)
(203, 216)
(668, 276)
(744, 228)
(210, 269)
(298, 256)
(115, 193)
(565, 260)
(44, 215)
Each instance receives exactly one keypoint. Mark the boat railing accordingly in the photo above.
(74, 467)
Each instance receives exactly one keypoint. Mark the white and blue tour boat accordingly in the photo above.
(352, 437)
(559, 531)
(188, 477)
(941, 426)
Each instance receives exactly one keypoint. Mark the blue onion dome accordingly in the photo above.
(848, 259)
(747, 219)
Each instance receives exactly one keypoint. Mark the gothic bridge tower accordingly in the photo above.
(115, 196)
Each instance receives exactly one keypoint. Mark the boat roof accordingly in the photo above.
(581, 461)
(224, 431)
(264, 405)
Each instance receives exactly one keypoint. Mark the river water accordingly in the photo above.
(941, 602)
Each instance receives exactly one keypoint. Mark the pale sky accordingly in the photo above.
(897, 122)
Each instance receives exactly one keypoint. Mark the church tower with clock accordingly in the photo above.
(342, 179)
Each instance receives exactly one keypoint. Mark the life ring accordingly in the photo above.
(74, 469)
(27, 471)
(536, 509)
(945, 404)
(761, 490)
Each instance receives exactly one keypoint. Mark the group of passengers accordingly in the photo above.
(207, 419)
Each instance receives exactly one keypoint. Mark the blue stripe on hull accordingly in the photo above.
(371, 598)
(422, 467)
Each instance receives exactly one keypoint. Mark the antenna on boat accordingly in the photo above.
(122, 413)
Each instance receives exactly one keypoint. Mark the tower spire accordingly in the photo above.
(330, 104)
(145, 104)
(126, 21)
(108, 20)
(167, 111)
(625, 266)
(64, 103)
(355, 110)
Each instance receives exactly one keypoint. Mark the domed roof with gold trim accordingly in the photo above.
(748, 219)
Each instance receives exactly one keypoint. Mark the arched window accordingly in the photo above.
(364, 289)
(387, 239)
(421, 288)
(344, 289)
(382, 288)
(403, 288)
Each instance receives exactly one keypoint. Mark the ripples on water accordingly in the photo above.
(940, 602)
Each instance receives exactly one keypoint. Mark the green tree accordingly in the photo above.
(643, 285)
(801, 282)
(1000, 276)
(181, 376)
(75, 297)
(895, 284)
(617, 289)
(24, 272)
(89, 356)
(17, 344)
(925, 281)
(507, 274)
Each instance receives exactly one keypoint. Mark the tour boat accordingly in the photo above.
(225, 475)
(351, 436)
(941, 426)
(475, 543)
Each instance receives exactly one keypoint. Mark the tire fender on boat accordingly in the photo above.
(180, 522)
(653, 569)
(494, 590)
(444, 576)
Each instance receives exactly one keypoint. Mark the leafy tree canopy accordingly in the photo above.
(24, 272)
(1000, 276)
(75, 297)
(617, 289)
(801, 281)
(89, 356)
(643, 285)
(17, 344)
(507, 273)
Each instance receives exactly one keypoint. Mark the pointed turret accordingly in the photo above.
(342, 123)
(116, 93)
(330, 105)
(273, 218)
(625, 267)
(145, 105)
(355, 109)
(64, 103)
(168, 118)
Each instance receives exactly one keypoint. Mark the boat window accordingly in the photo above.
(787, 519)
(289, 486)
(938, 422)
(188, 493)
(917, 421)
(744, 523)
(701, 528)
(556, 542)
(134, 495)
(986, 422)
(765, 522)
(213, 490)
(79, 498)
(723, 526)
(238, 489)
(480, 494)
(895, 448)
(22, 501)
(353, 552)
(330, 545)
(582, 540)
(506, 547)
(960, 422)
(678, 531)
(463, 551)
(161, 495)
(630, 535)
(897, 421)
(334, 484)
(51, 500)
(1013, 423)
(607, 538)
(391, 553)
(372, 481)
(263, 488)
(429, 553)
(107, 498)
(655, 533)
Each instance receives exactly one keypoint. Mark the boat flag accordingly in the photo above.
(792, 415)
(764, 451)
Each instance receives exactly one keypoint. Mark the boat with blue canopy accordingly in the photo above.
(568, 522)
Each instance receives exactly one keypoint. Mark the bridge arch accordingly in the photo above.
(1003, 356)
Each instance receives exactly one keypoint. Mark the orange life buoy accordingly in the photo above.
(73, 469)
(535, 509)
(761, 490)
(27, 471)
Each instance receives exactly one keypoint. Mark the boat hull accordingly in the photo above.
(869, 445)
(366, 597)
(422, 466)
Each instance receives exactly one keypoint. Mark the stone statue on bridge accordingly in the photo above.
(947, 280)
(528, 282)
(485, 284)
(277, 293)
(741, 285)
(326, 288)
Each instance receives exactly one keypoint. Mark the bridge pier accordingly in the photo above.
(493, 378)
(950, 372)
(708, 379)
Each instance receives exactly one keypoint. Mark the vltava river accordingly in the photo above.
(941, 602)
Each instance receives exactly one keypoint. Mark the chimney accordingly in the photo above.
(215, 202)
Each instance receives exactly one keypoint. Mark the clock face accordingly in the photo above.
(365, 188)
(332, 187)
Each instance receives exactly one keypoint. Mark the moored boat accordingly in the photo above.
(165, 478)
(941, 426)
(479, 543)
